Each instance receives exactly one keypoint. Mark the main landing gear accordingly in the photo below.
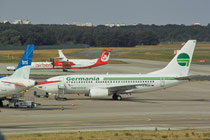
(1, 103)
(65, 70)
(116, 97)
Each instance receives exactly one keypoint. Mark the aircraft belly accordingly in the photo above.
(167, 83)
(174, 82)
(81, 65)
(77, 90)
(144, 89)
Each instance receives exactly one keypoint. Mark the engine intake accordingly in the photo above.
(98, 92)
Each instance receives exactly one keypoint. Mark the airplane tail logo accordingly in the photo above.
(179, 66)
(183, 59)
(104, 56)
(27, 57)
(24, 66)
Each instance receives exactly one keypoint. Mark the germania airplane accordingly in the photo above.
(19, 80)
(176, 72)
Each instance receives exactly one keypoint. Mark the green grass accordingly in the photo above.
(159, 53)
(120, 135)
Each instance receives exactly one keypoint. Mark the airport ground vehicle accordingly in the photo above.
(22, 103)
(11, 68)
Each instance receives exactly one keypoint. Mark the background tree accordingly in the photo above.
(126, 36)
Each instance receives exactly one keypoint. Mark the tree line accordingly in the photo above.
(125, 36)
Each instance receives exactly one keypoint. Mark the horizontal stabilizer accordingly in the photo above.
(15, 83)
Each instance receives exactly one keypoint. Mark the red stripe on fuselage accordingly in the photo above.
(47, 82)
(63, 64)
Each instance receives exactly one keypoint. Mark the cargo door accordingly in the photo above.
(162, 82)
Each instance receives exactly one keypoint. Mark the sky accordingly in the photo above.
(158, 12)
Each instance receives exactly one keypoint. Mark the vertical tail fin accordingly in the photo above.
(180, 64)
(104, 57)
(62, 56)
(24, 66)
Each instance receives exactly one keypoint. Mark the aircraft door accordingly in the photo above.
(162, 82)
(61, 88)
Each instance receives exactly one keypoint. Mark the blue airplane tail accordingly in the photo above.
(24, 66)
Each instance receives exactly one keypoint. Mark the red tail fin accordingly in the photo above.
(104, 57)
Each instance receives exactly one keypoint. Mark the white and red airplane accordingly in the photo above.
(64, 63)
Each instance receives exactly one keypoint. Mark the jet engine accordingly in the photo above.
(98, 92)
(53, 62)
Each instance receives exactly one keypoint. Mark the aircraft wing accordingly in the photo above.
(124, 88)
(190, 77)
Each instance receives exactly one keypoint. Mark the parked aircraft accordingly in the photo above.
(176, 72)
(64, 63)
(19, 81)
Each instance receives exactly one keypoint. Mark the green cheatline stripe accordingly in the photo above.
(143, 78)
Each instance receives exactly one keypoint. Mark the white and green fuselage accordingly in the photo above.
(116, 84)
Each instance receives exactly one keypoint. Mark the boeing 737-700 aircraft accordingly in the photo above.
(19, 80)
(176, 72)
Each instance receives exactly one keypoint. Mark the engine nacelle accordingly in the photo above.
(98, 92)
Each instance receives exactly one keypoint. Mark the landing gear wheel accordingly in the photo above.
(116, 97)
(119, 97)
(1, 103)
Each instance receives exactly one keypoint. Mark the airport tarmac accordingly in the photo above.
(185, 106)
